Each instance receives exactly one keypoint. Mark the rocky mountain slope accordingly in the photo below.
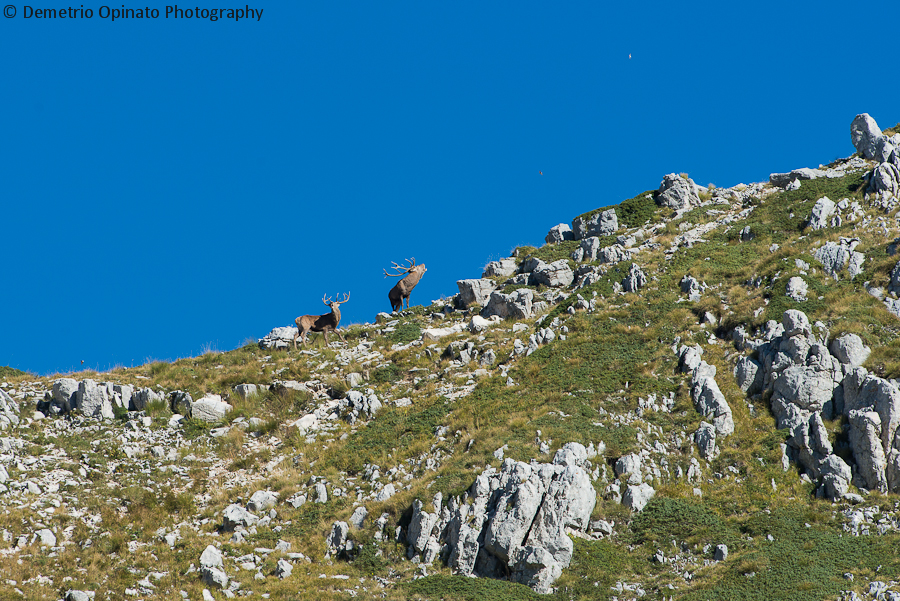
(691, 394)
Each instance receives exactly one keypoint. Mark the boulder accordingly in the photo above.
(516, 305)
(210, 409)
(705, 439)
(692, 287)
(356, 405)
(797, 289)
(245, 391)
(614, 254)
(262, 500)
(865, 134)
(502, 268)
(559, 233)
(530, 264)
(603, 223)
(555, 274)
(782, 180)
(92, 399)
(283, 569)
(479, 324)
(279, 338)
(709, 400)
(835, 257)
(144, 397)
(180, 402)
(821, 213)
(475, 292)
(212, 568)
(850, 350)
(337, 541)
(635, 280)
(677, 192)
(637, 497)
(358, 517)
(749, 376)
(63, 394)
(589, 248)
(885, 178)
(236, 516)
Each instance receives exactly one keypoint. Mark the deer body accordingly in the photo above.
(404, 287)
(320, 323)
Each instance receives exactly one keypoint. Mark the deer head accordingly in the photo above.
(334, 304)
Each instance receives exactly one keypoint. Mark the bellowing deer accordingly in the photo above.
(320, 323)
(404, 287)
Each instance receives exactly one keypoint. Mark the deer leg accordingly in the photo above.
(338, 332)
(295, 339)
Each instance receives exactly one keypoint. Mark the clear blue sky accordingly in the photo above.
(171, 185)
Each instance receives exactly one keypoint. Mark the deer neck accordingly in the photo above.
(413, 278)
(337, 315)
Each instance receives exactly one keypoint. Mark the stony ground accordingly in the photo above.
(395, 463)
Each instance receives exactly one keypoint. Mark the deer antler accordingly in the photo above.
(400, 269)
(327, 302)
(345, 300)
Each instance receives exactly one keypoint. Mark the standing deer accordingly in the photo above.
(320, 323)
(404, 287)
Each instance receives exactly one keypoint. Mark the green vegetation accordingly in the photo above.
(592, 387)
(10, 372)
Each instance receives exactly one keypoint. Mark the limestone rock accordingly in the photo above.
(245, 391)
(558, 233)
(64, 391)
(677, 192)
(603, 223)
(236, 516)
(502, 268)
(885, 179)
(635, 280)
(555, 274)
(797, 289)
(749, 376)
(281, 338)
(783, 180)
(821, 213)
(262, 500)
(637, 497)
(210, 409)
(850, 350)
(475, 292)
(865, 134)
(356, 405)
(510, 523)
(516, 305)
(705, 439)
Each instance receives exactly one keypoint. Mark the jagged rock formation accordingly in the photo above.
(677, 192)
(602, 223)
(512, 522)
(808, 381)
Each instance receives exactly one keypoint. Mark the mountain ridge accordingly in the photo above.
(610, 357)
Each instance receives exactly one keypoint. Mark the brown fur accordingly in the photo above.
(320, 323)
(404, 287)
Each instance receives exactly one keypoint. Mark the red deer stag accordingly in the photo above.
(320, 323)
(404, 287)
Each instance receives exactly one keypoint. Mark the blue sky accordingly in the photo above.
(172, 185)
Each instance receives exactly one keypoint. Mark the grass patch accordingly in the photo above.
(405, 333)
(11, 372)
(460, 588)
